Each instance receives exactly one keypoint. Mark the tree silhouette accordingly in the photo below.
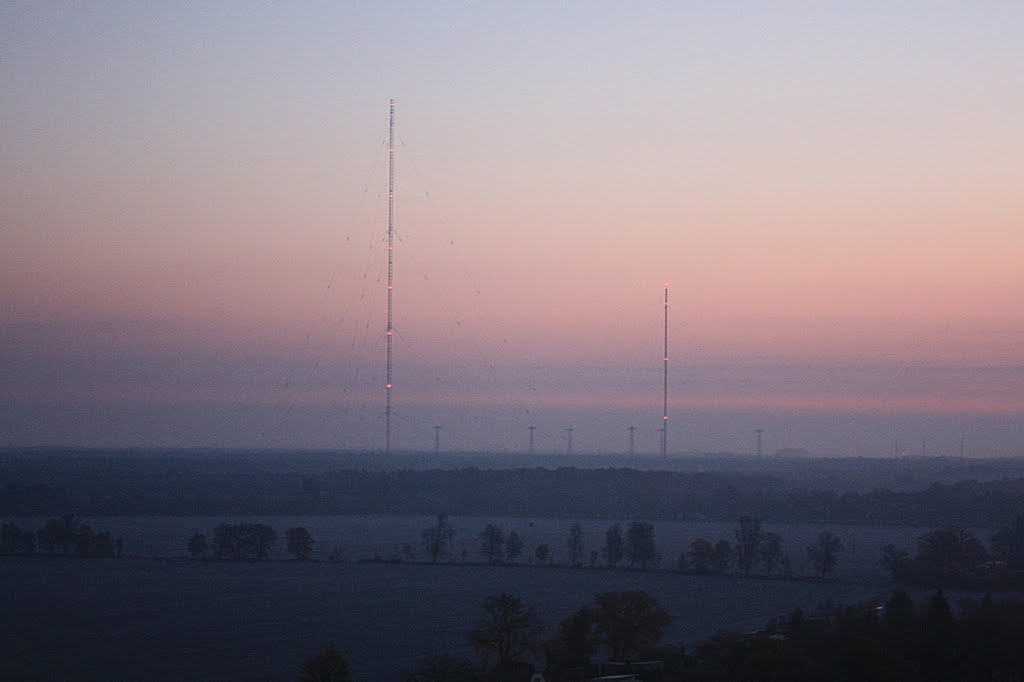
(197, 545)
(507, 632)
(823, 554)
(640, 544)
(614, 545)
(948, 554)
(27, 543)
(950, 545)
(300, 543)
(327, 666)
(628, 622)
(443, 669)
(542, 553)
(13, 540)
(9, 537)
(492, 541)
(770, 554)
(1008, 543)
(513, 547)
(894, 560)
(701, 555)
(722, 557)
(59, 534)
(575, 544)
(573, 643)
(243, 541)
(89, 543)
(437, 539)
(749, 537)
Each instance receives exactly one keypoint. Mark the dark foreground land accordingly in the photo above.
(133, 619)
(140, 617)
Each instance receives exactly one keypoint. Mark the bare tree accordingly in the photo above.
(508, 631)
(437, 539)
(640, 544)
(749, 537)
(614, 545)
(770, 554)
(823, 554)
(492, 541)
(513, 547)
(575, 544)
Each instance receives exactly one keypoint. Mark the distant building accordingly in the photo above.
(792, 453)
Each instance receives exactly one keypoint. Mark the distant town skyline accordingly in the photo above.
(193, 201)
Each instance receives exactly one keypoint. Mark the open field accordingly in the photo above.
(173, 619)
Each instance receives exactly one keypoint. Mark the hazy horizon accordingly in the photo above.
(194, 202)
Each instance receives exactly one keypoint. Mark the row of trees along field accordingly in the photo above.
(619, 636)
(951, 556)
(64, 535)
(946, 556)
(636, 547)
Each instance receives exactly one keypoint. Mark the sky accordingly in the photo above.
(193, 221)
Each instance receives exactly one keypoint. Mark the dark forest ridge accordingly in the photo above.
(976, 493)
(860, 474)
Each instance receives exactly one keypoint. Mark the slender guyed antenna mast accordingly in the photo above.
(391, 274)
(664, 396)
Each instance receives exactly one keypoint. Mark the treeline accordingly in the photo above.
(619, 635)
(756, 550)
(565, 493)
(900, 640)
(65, 535)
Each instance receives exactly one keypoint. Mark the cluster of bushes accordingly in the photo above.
(64, 535)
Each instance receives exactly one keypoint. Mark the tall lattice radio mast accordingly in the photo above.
(664, 391)
(391, 273)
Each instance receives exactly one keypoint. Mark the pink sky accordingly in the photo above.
(193, 204)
